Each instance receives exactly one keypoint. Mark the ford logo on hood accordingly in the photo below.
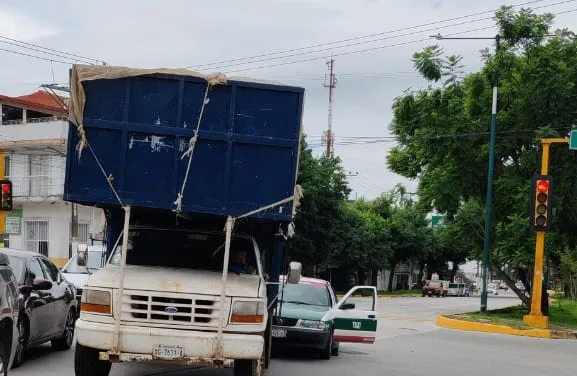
(170, 309)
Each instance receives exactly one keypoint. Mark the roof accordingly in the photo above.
(308, 279)
(19, 253)
(40, 101)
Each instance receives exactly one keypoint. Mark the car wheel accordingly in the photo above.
(335, 350)
(3, 361)
(22, 341)
(87, 363)
(328, 350)
(65, 341)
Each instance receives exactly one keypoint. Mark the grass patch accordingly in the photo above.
(563, 315)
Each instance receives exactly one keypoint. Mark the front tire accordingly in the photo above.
(87, 363)
(3, 361)
(22, 342)
(245, 367)
(65, 341)
(327, 352)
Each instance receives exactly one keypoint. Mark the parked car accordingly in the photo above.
(436, 288)
(47, 305)
(78, 274)
(457, 289)
(308, 316)
(492, 289)
(8, 314)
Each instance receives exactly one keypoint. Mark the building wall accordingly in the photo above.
(58, 215)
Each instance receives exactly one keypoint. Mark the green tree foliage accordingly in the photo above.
(443, 137)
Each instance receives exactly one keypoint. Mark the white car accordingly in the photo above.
(77, 275)
(492, 289)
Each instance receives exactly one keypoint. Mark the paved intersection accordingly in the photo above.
(408, 343)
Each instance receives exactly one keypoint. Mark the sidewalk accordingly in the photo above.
(452, 323)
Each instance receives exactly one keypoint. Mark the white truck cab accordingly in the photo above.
(168, 304)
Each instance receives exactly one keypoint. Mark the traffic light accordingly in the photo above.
(6, 187)
(541, 189)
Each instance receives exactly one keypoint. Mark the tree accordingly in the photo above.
(443, 140)
(324, 190)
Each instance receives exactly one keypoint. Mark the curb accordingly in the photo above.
(449, 323)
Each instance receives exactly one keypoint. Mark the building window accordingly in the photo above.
(83, 231)
(36, 236)
(7, 167)
(38, 175)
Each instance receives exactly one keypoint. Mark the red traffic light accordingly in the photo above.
(542, 185)
(6, 188)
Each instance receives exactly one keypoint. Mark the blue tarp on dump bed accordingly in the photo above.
(138, 128)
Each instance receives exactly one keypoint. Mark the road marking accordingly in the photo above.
(405, 318)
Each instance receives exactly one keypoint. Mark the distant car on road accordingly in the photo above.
(8, 314)
(436, 288)
(458, 289)
(46, 301)
(492, 289)
(308, 316)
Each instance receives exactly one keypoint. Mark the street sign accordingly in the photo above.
(437, 221)
(573, 139)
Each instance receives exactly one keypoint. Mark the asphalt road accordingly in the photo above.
(408, 343)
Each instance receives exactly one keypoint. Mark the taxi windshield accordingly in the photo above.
(305, 293)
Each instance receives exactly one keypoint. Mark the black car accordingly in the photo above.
(8, 314)
(47, 305)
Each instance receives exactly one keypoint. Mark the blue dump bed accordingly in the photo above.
(131, 129)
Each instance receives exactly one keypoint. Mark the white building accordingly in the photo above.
(33, 134)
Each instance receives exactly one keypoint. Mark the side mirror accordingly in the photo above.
(82, 255)
(41, 284)
(348, 306)
(295, 271)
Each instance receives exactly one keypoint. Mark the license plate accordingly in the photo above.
(279, 333)
(169, 352)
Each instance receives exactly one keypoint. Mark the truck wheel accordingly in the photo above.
(245, 367)
(86, 362)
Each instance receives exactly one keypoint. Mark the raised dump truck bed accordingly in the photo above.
(132, 128)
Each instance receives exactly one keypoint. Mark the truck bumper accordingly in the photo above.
(137, 344)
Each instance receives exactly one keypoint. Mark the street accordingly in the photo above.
(408, 343)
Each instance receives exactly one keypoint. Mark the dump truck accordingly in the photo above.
(196, 175)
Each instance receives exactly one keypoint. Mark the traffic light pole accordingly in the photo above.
(535, 317)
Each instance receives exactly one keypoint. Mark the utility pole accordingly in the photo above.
(490, 175)
(331, 83)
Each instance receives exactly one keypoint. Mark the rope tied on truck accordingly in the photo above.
(212, 80)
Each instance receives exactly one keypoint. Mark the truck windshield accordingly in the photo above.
(178, 248)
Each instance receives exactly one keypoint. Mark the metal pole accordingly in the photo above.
(125, 234)
(490, 175)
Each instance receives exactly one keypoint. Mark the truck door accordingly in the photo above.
(355, 318)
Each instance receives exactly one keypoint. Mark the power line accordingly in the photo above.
(368, 49)
(365, 36)
(34, 56)
(49, 49)
(43, 52)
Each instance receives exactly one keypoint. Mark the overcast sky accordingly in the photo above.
(183, 33)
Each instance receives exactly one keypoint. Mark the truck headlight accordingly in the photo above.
(245, 312)
(310, 324)
(96, 301)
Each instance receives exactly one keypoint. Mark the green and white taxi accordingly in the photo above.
(309, 316)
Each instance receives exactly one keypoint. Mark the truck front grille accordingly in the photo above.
(169, 308)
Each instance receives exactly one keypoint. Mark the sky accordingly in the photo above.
(370, 72)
